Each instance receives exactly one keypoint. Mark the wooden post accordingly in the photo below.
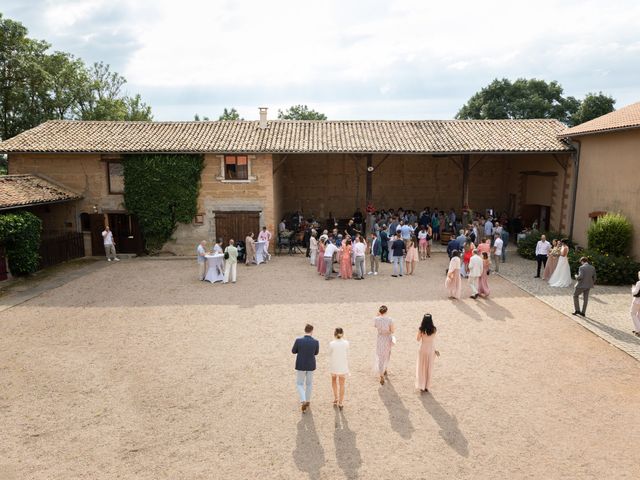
(369, 193)
(465, 181)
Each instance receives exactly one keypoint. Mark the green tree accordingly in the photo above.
(300, 112)
(231, 114)
(524, 98)
(197, 118)
(37, 85)
(593, 106)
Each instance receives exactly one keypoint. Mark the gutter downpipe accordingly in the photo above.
(574, 195)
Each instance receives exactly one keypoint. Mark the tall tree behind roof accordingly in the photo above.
(300, 112)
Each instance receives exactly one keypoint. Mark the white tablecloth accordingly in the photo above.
(215, 268)
(260, 252)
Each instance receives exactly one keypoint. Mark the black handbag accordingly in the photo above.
(226, 255)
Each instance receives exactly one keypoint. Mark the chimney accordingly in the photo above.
(263, 117)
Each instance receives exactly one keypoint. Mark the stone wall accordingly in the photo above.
(324, 184)
(217, 194)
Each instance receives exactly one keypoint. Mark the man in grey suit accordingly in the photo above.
(305, 348)
(586, 280)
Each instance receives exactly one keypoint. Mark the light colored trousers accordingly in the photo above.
(312, 256)
(398, 264)
(496, 262)
(230, 272)
(374, 261)
(304, 384)
(473, 284)
(360, 267)
(110, 250)
(328, 267)
(202, 268)
(635, 314)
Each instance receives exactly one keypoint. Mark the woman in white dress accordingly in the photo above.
(635, 307)
(562, 274)
(313, 249)
(339, 364)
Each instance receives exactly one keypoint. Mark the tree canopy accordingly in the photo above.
(300, 112)
(40, 85)
(532, 98)
(230, 114)
(593, 106)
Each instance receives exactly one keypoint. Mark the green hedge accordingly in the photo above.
(612, 234)
(161, 190)
(527, 246)
(610, 269)
(20, 235)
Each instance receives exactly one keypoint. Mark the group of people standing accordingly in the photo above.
(306, 348)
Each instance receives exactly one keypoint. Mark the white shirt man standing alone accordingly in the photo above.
(498, 245)
(109, 244)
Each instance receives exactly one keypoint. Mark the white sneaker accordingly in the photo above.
(108, 259)
(375, 273)
(369, 273)
(117, 259)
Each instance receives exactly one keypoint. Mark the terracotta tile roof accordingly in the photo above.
(625, 118)
(282, 136)
(24, 190)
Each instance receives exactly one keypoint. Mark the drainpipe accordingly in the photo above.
(574, 195)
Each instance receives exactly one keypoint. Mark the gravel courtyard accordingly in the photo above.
(136, 371)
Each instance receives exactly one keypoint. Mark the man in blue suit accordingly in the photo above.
(305, 348)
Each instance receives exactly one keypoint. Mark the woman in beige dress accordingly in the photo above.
(453, 283)
(339, 360)
(250, 249)
(552, 261)
(427, 353)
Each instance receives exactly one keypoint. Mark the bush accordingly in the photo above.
(610, 269)
(527, 246)
(20, 235)
(161, 190)
(611, 234)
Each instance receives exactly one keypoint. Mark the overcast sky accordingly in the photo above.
(350, 59)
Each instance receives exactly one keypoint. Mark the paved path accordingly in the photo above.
(607, 312)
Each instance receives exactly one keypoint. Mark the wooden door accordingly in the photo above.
(236, 225)
(126, 233)
(96, 225)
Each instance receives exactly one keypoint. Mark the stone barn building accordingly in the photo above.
(257, 171)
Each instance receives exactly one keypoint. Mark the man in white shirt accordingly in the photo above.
(497, 251)
(202, 261)
(542, 251)
(358, 253)
(265, 236)
(109, 244)
(475, 270)
(329, 251)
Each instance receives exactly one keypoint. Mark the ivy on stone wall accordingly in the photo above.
(20, 236)
(161, 190)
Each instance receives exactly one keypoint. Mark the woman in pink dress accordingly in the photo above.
(384, 342)
(483, 283)
(426, 353)
(346, 269)
(453, 283)
(320, 259)
(412, 257)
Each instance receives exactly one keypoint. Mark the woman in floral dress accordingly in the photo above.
(384, 342)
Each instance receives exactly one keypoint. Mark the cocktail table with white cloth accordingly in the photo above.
(215, 268)
(260, 252)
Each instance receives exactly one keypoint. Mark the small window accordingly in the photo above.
(116, 177)
(236, 167)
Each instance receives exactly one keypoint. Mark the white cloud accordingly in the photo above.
(349, 55)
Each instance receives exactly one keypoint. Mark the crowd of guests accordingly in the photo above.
(306, 348)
